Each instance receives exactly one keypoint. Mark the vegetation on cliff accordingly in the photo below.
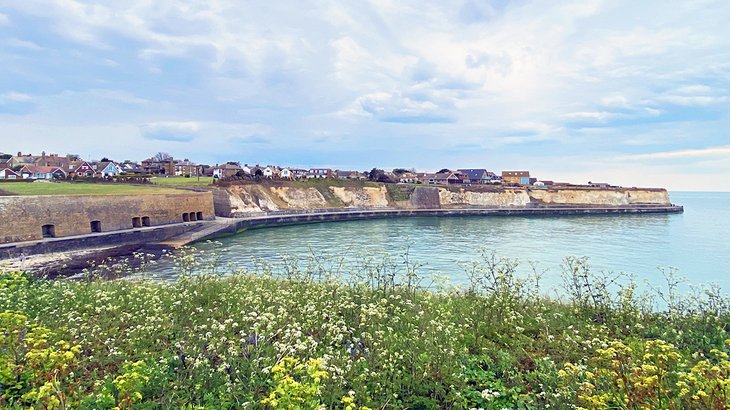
(377, 337)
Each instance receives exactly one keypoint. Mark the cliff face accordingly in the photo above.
(245, 199)
(612, 197)
(365, 197)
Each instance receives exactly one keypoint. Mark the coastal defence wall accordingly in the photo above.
(28, 218)
(242, 200)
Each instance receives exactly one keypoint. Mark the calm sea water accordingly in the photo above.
(695, 242)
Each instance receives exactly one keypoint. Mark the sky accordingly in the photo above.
(635, 93)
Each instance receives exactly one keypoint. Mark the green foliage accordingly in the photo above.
(374, 338)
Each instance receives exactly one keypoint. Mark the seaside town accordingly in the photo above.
(27, 166)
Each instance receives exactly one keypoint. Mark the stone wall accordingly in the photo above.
(22, 217)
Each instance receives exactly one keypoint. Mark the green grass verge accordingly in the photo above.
(81, 188)
(182, 181)
(249, 341)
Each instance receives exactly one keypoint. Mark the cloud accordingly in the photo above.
(16, 103)
(616, 78)
(185, 131)
(396, 107)
(721, 151)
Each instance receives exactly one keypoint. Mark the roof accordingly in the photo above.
(38, 169)
(474, 174)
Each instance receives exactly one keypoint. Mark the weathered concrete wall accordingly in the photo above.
(247, 199)
(21, 217)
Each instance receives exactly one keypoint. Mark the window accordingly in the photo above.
(146, 221)
(136, 222)
(95, 226)
(49, 231)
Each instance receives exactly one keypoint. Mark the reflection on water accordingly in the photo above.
(694, 242)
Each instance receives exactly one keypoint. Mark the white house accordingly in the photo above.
(110, 170)
(268, 172)
(285, 173)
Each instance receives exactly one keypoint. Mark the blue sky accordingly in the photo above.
(633, 93)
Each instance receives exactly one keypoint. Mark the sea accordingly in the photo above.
(693, 247)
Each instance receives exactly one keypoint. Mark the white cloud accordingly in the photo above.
(15, 97)
(4, 19)
(175, 131)
(722, 151)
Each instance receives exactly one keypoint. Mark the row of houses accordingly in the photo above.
(53, 166)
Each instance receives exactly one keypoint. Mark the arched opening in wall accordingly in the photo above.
(146, 221)
(199, 216)
(192, 216)
(136, 222)
(95, 226)
(49, 231)
(186, 217)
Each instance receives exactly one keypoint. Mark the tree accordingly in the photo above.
(375, 174)
(400, 171)
(105, 159)
(73, 157)
(259, 172)
(162, 157)
(443, 171)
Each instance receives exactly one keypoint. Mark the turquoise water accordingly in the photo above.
(695, 243)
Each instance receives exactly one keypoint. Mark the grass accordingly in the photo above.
(81, 188)
(373, 339)
(183, 182)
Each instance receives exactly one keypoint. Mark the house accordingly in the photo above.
(129, 167)
(7, 173)
(285, 173)
(298, 173)
(516, 177)
(268, 172)
(448, 178)
(186, 168)
(407, 178)
(349, 175)
(81, 169)
(106, 169)
(319, 173)
(226, 170)
(599, 184)
(477, 176)
(52, 160)
(41, 172)
(425, 178)
(246, 169)
(159, 167)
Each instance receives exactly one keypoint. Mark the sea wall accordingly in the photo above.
(22, 217)
(244, 200)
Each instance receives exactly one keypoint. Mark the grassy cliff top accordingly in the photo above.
(81, 188)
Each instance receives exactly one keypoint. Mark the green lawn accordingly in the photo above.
(182, 181)
(79, 188)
